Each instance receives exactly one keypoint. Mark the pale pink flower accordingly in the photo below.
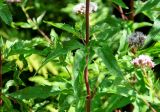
(143, 61)
(81, 8)
(13, 1)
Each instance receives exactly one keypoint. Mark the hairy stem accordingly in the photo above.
(88, 98)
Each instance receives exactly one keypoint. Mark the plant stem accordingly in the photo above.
(87, 21)
(131, 16)
(122, 13)
(120, 10)
(88, 98)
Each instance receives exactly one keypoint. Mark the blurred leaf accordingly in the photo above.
(154, 34)
(105, 53)
(64, 27)
(5, 14)
(65, 101)
(140, 25)
(54, 37)
(7, 104)
(78, 68)
(123, 40)
(1, 42)
(120, 3)
(154, 50)
(36, 92)
(39, 19)
(16, 78)
(60, 51)
(109, 107)
(22, 24)
(8, 85)
(146, 5)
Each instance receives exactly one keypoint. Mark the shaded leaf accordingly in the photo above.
(120, 3)
(108, 59)
(36, 92)
(64, 27)
(5, 14)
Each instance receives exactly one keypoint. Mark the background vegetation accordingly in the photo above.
(43, 56)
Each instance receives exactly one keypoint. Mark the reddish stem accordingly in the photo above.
(131, 16)
(122, 13)
(88, 98)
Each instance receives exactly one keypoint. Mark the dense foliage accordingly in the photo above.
(43, 56)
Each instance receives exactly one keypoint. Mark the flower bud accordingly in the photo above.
(136, 40)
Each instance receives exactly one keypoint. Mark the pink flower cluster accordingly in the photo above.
(143, 61)
(12, 1)
(81, 8)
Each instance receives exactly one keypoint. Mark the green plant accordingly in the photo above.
(73, 62)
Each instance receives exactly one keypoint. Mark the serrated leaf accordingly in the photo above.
(120, 3)
(36, 92)
(5, 14)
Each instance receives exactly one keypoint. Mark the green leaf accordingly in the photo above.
(22, 24)
(36, 92)
(5, 14)
(39, 19)
(123, 40)
(108, 59)
(1, 42)
(7, 104)
(61, 51)
(146, 5)
(154, 50)
(54, 37)
(140, 25)
(114, 102)
(120, 3)
(64, 27)
(16, 78)
(154, 34)
(65, 101)
(78, 69)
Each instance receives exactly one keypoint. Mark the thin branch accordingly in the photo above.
(153, 110)
(88, 98)
(39, 30)
(120, 10)
(122, 13)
